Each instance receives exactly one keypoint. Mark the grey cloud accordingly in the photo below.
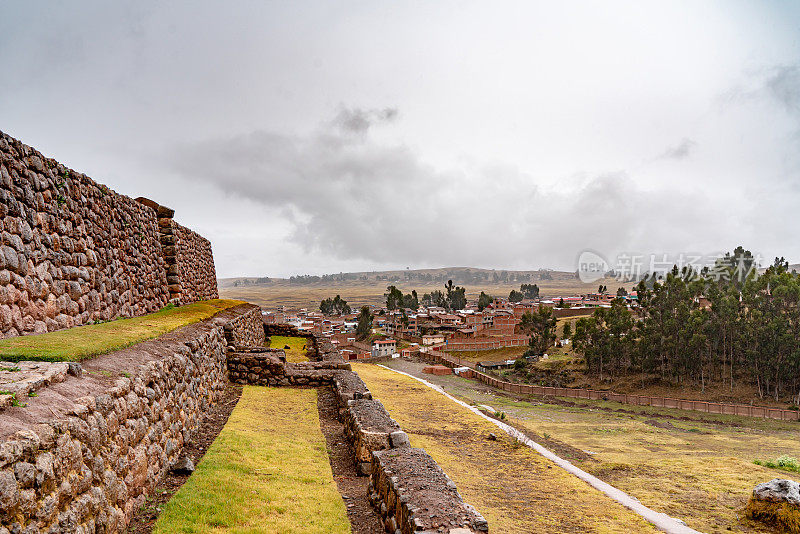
(777, 84)
(784, 85)
(359, 121)
(680, 151)
(352, 198)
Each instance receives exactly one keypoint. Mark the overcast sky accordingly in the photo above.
(318, 137)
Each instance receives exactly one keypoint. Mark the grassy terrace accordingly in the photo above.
(297, 347)
(515, 488)
(267, 471)
(80, 343)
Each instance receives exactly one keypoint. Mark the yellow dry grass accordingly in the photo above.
(297, 347)
(701, 472)
(267, 472)
(783, 516)
(358, 293)
(515, 488)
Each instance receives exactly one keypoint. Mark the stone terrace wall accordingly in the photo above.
(85, 453)
(73, 251)
(195, 262)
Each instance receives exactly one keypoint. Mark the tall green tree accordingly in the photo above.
(529, 291)
(394, 298)
(484, 300)
(364, 327)
(541, 327)
(334, 306)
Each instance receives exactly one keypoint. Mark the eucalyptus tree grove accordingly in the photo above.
(724, 324)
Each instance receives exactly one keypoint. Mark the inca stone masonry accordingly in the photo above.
(72, 251)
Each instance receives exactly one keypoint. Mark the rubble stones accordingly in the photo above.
(777, 504)
(778, 490)
(183, 466)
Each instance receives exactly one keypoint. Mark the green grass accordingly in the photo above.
(80, 343)
(785, 462)
(297, 347)
(268, 471)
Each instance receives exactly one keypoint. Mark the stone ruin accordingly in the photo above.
(88, 450)
(72, 251)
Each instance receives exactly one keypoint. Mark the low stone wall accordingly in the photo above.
(268, 367)
(408, 488)
(83, 455)
(349, 386)
(245, 329)
(413, 494)
(281, 329)
(370, 428)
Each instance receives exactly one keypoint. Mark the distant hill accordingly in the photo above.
(459, 275)
(368, 287)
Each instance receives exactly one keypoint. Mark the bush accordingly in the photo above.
(785, 462)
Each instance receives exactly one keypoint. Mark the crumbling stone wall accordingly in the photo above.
(72, 251)
(85, 453)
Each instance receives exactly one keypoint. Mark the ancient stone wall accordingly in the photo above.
(72, 251)
(413, 494)
(85, 453)
(246, 330)
(195, 265)
(408, 489)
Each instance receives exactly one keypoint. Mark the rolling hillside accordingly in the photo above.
(368, 287)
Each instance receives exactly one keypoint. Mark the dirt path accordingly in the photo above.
(353, 488)
(144, 518)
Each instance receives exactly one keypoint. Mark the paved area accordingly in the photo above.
(18, 380)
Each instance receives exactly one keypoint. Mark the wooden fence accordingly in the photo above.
(638, 400)
(486, 344)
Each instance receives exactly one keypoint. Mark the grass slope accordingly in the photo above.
(297, 347)
(75, 344)
(515, 488)
(267, 471)
(700, 469)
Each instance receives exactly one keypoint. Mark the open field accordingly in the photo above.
(297, 347)
(280, 292)
(79, 343)
(268, 471)
(515, 488)
(697, 467)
